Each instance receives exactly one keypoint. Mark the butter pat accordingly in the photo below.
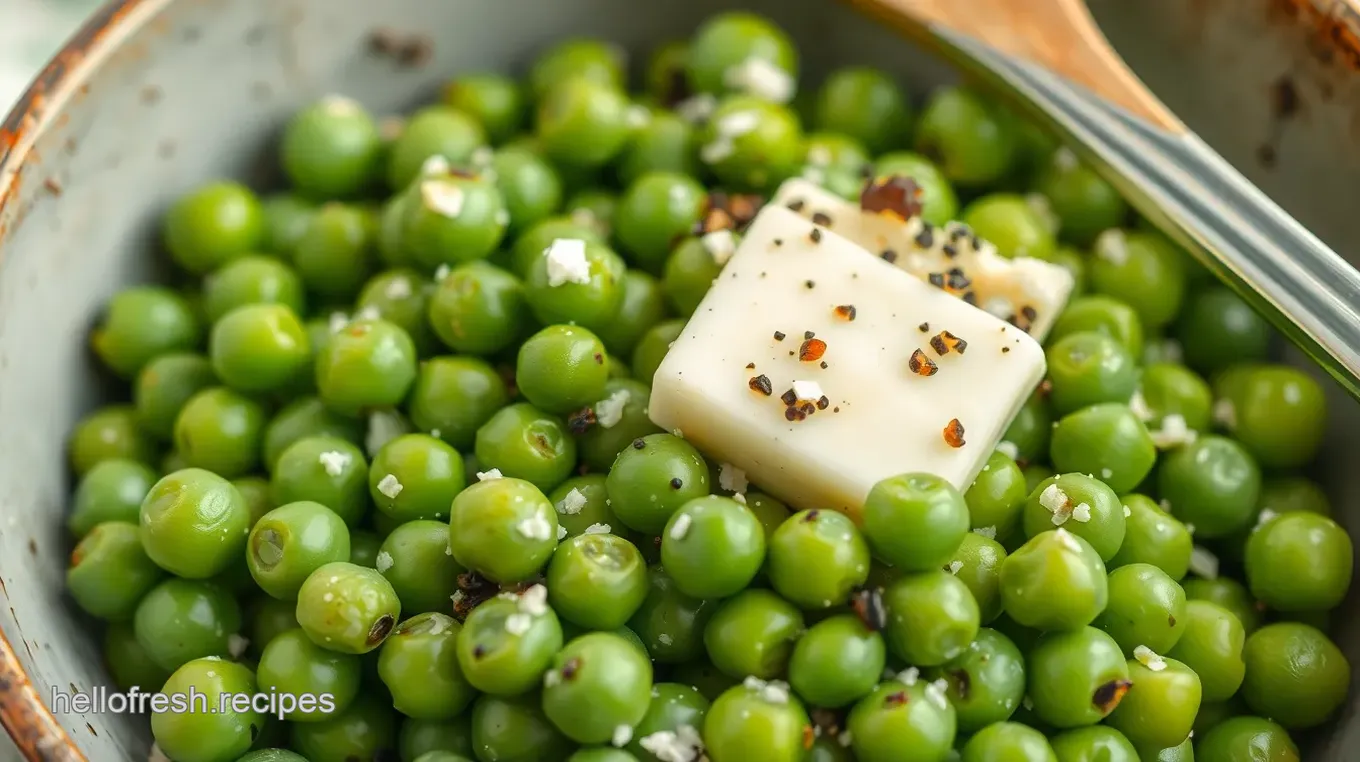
(745, 381)
(1028, 292)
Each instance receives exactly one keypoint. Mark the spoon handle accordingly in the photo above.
(1291, 277)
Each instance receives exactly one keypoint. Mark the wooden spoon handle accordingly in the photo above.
(1059, 35)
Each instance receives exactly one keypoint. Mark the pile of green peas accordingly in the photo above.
(375, 451)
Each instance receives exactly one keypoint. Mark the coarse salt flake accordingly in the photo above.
(740, 498)
(609, 411)
(845, 739)
(681, 527)
(1009, 449)
(442, 272)
(738, 123)
(1082, 512)
(486, 476)
(908, 676)
(775, 692)
(680, 745)
(1225, 414)
(536, 527)
(731, 478)
(398, 288)
(518, 623)
(1113, 246)
(936, 693)
(1127, 512)
(637, 116)
(534, 601)
(1106, 473)
(435, 166)
(1057, 503)
(383, 562)
(236, 645)
(1149, 658)
(954, 566)
(1203, 562)
(337, 322)
(598, 529)
(989, 532)
(561, 533)
(1265, 515)
(572, 503)
(752, 683)
(389, 486)
(567, 262)
(442, 197)
(809, 391)
(719, 149)
(1043, 208)
(371, 312)
(340, 105)
(697, 108)
(1173, 433)
(552, 678)
(334, 461)
(721, 245)
(622, 735)
(1138, 404)
(762, 78)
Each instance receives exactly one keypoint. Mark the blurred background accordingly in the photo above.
(30, 32)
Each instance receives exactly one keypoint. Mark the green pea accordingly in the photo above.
(504, 529)
(1054, 560)
(286, 216)
(419, 665)
(1030, 429)
(368, 364)
(494, 100)
(252, 280)
(1143, 270)
(331, 149)
(932, 617)
(1082, 199)
(1217, 329)
(1082, 505)
(1146, 608)
(1299, 562)
(690, 271)
(432, 131)
(515, 730)
(972, 143)
(326, 470)
(865, 104)
(589, 298)
(597, 684)
(997, 496)
(561, 369)
(1087, 368)
(755, 720)
(128, 662)
(1151, 536)
(896, 717)
(641, 307)
(977, 563)
(1286, 494)
(1096, 743)
(751, 144)
(109, 571)
(1012, 224)
(180, 620)
(670, 623)
(479, 309)
(1160, 707)
(667, 143)
(213, 225)
(208, 735)
(194, 523)
(141, 323)
(453, 396)
(1212, 645)
(111, 491)
(259, 348)
(986, 682)
(1170, 389)
(1276, 412)
(708, 529)
(657, 209)
(596, 581)
(507, 644)
(1100, 314)
(1295, 675)
(335, 255)
(753, 633)
(524, 442)
(1212, 483)
(402, 297)
(1077, 677)
(675, 708)
(1247, 738)
(532, 243)
(415, 559)
(652, 348)
(1231, 595)
(816, 559)
(415, 476)
(290, 542)
(347, 608)
(915, 521)
(583, 123)
(291, 663)
(362, 731)
(1106, 439)
(594, 60)
(727, 41)
(652, 478)
(420, 737)
(1008, 741)
(837, 661)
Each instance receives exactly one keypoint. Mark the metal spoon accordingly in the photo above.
(1051, 55)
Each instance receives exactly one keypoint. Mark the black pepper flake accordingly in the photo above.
(1004, 350)
(796, 205)
(811, 350)
(1108, 695)
(894, 196)
(970, 297)
(894, 700)
(809, 284)
(822, 218)
(926, 238)
(792, 414)
(889, 256)
(949, 250)
(925, 327)
(869, 607)
(580, 421)
(811, 516)
(823, 363)
(953, 433)
(807, 408)
(478, 651)
(789, 398)
(676, 483)
(945, 342)
(963, 683)
(570, 668)
(779, 335)
(836, 409)
(761, 384)
(750, 366)
(957, 233)
(816, 235)
(936, 279)
(638, 444)
(808, 334)
(823, 403)
(1027, 312)
(922, 365)
(976, 243)
(777, 242)
(845, 312)
(958, 280)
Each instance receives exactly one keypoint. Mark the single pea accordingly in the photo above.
(508, 643)
(939, 203)
(1160, 707)
(259, 348)
(1212, 645)
(141, 323)
(977, 563)
(1012, 224)
(864, 103)
(597, 684)
(415, 476)
(641, 306)
(331, 149)
(368, 364)
(620, 418)
(504, 529)
(163, 387)
(652, 478)
(896, 717)
(966, 136)
(194, 523)
(1286, 494)
(1106, 439)
(596, 581)
(816, 559)
(656, 210)
(1172, 389)
(390, 234)
(364, 548)
(286, 216)
(1251, 738)
(1030, 430)
(728, 43)
(1082, 505)
(1101, 314)
(292, 541)
(1095, 743)
(305, 417)
(583, 123)
(837, 162)
(1077, 677)
(1146, 608)
(1231, 595)
(652, 348)
(1218, 329)
(128, 663)
(1276, 412)
(590, 59)
(221, 431)
(479, 309)
(533, 242)
(415, 559)
(986, 682)
(335, 256)
(1299, 562)
(589, 298)
(113, 490)
(1086, 203)
(1144, 270)
(347, 608)
(997, 496)
(837, 661)
(592, 205)
(915, 521)
(529, 186)
(419, 665)
(751, 144)
(524, 442)
(674, 714)
(755, 720)
(1008, 742)
(453, 396)
(402, 297)
(207, 736)
(1153, 537)
(432, 131)
(418, 737)
(109, 572)
(453, 219)
(269, 617)
(1295, 675)
(367, 729)
(213, 225)
(691, 269)
(753, 633)
(561, 369)
(670, 623)
(667, 143)
(180, 620)
(1086, 368)
(1213, 483)
(1054, 560)
(515, 730)
(251, 280)
(931, 617)
(708, 529)
(292, 664)
(494, 100)
(326, 470)
(589, 507)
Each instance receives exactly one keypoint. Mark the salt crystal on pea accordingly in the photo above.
(1149, 658)
(567, 262)
(334, 462)
(518, 624)
(383, 562)
(572, 503)
(443, 197)
(389, 486)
